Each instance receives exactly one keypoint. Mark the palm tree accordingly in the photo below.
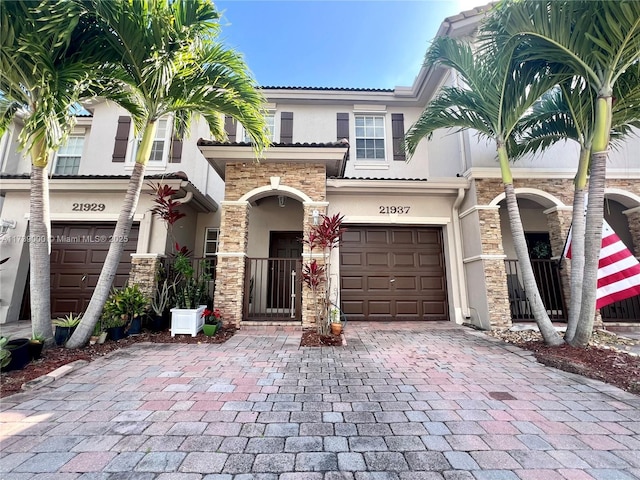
(598, 41)
(47, 52)
(566, 113)
(169, 64)
(498, 95)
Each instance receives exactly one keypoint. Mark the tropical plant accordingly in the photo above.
(212, 317)
(5, 352)
(188, 289)
(123, 305)
(68, 321)
(498, 93)
(597, 41)
(567, 113)
(48, 51)
(160, 302)
(168, 63)
(325, 237)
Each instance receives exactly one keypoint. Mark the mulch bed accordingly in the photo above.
(54, 357)
(311, 338)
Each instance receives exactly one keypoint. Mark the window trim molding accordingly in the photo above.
(132, 147)
(363, 162)
(74, 134)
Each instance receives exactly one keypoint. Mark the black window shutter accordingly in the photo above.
(397, 133)
(230, 128)
(286, 127)
(122, 138)
(175, 154)
(343, 126)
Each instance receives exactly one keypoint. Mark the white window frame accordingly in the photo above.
(166, 137)
(207, 242)
(373, 115)
(74, 154)
(271, 128)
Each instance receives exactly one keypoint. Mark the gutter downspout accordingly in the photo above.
(458, 253)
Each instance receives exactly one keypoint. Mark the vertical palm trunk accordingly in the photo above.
(123, 227)
(549, 334)
(577, 245)
(40, 249)
(595, 215)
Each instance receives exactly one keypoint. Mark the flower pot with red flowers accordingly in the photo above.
(212, 321)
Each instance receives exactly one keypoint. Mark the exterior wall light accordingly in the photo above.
(282, 200)
(6, 225)
(316, 217)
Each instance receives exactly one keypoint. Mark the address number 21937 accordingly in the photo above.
(386, 209)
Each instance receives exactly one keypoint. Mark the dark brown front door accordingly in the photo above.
(78, 252)
(286, 246)
(389, 273)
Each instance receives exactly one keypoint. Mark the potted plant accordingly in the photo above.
(212, 321)
(36, 345)
(19, 354)
(5, 353)
(336, 322)
(124, 308)
(99, 334)
(65, 327)
(190, 292)
(159, 306)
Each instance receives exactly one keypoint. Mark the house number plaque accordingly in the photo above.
(88, 207)
(386, 209)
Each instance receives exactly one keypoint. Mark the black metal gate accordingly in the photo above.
(273, 289)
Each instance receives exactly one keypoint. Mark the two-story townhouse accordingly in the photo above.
(426, 239)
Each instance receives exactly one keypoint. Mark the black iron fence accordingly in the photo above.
(547, 274)
(273, 289)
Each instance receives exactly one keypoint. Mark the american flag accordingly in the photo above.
(618, 269)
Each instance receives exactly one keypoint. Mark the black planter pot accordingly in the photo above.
(158, 323)
(62, 334)
(20, 356)
(135, 327)
(35, 350)
(116, 333)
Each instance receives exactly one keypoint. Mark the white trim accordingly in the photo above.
(557, 208)
(546, 173)
(622, 193)
(529, 191)
(366, 165)
(370, 108)
(89, 217)
(257, 192)
(233, 203)
(315, 204)
(631, 211)
(147, 255)
(231, 254)
(477, 208)
(395, 219)
(484, 256)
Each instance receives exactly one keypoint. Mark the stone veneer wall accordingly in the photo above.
(241, 178)
(494, 268)
(144, 271)
(558, 221)
(308, 300)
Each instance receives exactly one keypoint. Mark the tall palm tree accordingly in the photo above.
(47, 51)
(498, 93)
(566, 113)
(169, 64)
(598, 41)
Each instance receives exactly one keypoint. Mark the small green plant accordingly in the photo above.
(5, 353)
(68, 321)
(160, 301)
(335, 315)
(124, 305)
(37, 338)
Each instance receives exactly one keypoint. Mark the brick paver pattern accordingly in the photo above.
(402, 401)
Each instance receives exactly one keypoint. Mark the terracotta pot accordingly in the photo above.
(336, 328)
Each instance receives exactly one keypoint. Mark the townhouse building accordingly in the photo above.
(427, 238)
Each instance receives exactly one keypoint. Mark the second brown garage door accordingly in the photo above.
(389, 273)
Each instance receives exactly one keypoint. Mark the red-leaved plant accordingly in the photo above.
(324, 237)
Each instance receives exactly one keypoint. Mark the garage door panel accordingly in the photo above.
(352, 236)
(378, 283)
(99, 256)
(373, 237)
(73, 257)
(402, 276)
(68, 281)
(376, 259)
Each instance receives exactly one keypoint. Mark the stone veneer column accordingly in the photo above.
(494, 269)
(232, 251)
(633, 218)
(308, 306)
(559, 222)
(144, 271)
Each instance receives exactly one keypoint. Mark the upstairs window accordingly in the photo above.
(69, 155)
(161, 143)
(270, 120)
(211, 236)
(369, 137)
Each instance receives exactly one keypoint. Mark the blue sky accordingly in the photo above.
(335, 43)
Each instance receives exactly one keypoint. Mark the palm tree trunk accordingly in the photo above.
(40, 249)
(594, 217)
(577, 245)
(123, 227)
(549, 333)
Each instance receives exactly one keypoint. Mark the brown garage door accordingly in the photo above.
(393, 273)
(78, 252)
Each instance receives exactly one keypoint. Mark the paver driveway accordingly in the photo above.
(404, 401)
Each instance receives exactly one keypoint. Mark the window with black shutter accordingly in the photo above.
(122, 138)
(397, 134)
